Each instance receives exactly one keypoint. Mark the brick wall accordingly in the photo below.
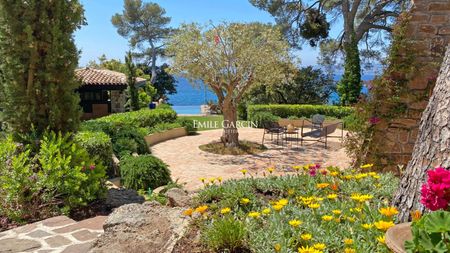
(429, 29)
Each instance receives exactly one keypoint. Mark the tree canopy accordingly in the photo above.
(146, 27)
(229, 58)
(307, 86)
(363, 23)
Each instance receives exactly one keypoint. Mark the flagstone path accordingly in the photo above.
(57, 234)
(188, 163)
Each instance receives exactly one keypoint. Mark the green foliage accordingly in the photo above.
(300, 111)
(127, 130)
(307, 86)
(38, 64)
(144, 172)
(60, 176)
(262, 118)
(349, 87)
(273, 228)
(98, 144)
(133, 97)
(226, 235)
(315, 28)
(386, 99)
(188, 125)
(142, 118)
(165, 83)
(430, 234)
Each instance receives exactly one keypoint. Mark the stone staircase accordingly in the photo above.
(57, 234)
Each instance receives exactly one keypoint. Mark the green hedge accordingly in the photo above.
(143, 172)
(300, 111)
(262, 119)
(127, 130)
(96, 143)
(142, 118)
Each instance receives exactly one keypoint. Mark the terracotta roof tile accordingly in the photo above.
(91, 76)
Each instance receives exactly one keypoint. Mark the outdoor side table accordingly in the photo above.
(292, 133)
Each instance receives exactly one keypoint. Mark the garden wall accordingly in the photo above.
(429, 29)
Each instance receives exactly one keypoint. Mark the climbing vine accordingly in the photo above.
(388, 99)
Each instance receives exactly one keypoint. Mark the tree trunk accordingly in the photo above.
(432, 147)
(153, 67)
(230, 135)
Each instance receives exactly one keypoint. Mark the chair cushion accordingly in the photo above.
(314, 134)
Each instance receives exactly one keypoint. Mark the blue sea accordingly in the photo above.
(188, 98)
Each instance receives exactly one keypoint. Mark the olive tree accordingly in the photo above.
(229, 58)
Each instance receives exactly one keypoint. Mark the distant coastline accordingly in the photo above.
(188, 99)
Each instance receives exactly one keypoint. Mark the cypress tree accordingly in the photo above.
(38, 59)
(133, 100)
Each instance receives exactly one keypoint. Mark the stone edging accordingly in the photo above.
(156, 138)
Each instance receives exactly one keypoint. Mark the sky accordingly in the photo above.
(99, 36)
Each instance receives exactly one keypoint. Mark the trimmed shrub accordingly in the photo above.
(188, 125)
(59, 176)
(127, 140)
(242, 111)
(263, 118)
(305, 111)
(143, 172)
(96, 143)
(127, 130)
(142, 118)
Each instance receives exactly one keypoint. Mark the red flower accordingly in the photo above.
(436, 191)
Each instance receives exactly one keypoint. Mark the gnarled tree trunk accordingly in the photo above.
(432, 147)
(230, 136)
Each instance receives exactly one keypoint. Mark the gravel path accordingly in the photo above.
(188, 163)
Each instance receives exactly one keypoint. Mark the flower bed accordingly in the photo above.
(314, 210)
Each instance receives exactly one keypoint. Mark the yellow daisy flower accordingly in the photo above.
(384, 225)
(295, 223)
(306, 237)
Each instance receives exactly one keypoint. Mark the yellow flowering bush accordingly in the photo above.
(337, 211)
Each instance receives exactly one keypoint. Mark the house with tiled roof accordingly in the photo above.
(102, 91)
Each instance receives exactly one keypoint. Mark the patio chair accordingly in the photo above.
(273, 128)
(319, 135)
(317, 121)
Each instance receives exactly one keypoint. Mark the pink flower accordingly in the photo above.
(436, 191)
(92, 167)
(374, 120)
(312, 171)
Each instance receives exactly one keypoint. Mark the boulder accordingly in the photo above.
(147, 227)
(178, 197)
(119, 197)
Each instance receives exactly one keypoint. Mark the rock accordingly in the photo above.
(178, 197)
(18, 245)
(141, 228)
(115, 165)
(113, 183)
(120, 197)
(159, 189)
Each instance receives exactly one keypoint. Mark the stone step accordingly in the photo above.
(57, 234)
